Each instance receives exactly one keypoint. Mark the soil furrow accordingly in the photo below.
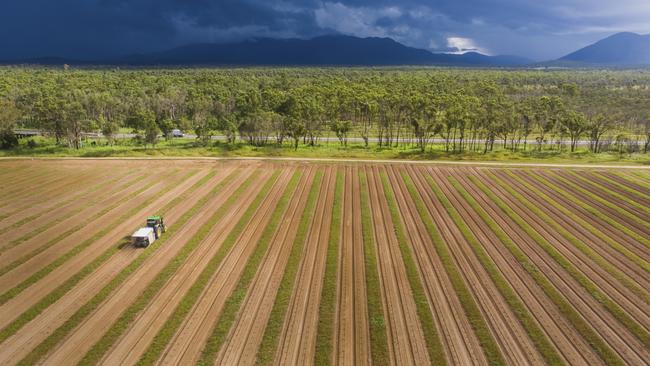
(407, 335)
(623, 187)
(637, 307)
(567, 340)
(510, 335)
(634, 261)
(351, 345)
(299, 331)
(615, 190)
(621, 213)
(618, 337)
(33, 255)
(186, 345)
(64, 202)
(460, 343)
(247, 331)
(442, 235)
(94, 327)
(29, 245)
(44, 324)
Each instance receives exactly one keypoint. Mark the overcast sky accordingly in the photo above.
(541, 30)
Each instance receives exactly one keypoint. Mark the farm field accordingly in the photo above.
(294, 263)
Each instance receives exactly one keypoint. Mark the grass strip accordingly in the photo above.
(67, 285)
(579, 323)
(603, 201)
(611, 192)
(581, 246)
(232, 306)
(583, 223)
(67, 201)
(23, 187)
(10, 294)
(583, 280)
(271, 337)
(50, 342)
(376, 321)
(99, 349)
(623, 186)
(632, 178)
(536, 334)
(162, 338)
(641, 175)
(46, 189)
(429, 326)
(474, 315)
(56, 239)
(39, 230)
(327, 309)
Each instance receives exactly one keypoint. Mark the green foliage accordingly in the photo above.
(9, 115)
(472, 110)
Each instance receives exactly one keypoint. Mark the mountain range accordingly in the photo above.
(619, 50)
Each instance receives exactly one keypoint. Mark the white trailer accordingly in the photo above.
(143, 237)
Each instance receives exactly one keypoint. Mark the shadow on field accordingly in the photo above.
(124, 243)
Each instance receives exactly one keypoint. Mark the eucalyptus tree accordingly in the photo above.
(646, 133)
(9, 115)
(547, 114)
(524, 114)
(597, 125)
(575, 124)
(201, 111)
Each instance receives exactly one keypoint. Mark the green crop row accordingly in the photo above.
(327, 312)
(121, 325)
(58, 238)
(583, 280)
(41, 349)
(583, 223)
(536, 334)
(168, 330)
(270, 339)
(611, 192)
(474, 315)
(581, 246)
(233, 303)
(377, 323)
(578, 322)
(429, 327)
(604, 202)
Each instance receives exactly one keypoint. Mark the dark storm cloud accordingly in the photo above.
(103, 28)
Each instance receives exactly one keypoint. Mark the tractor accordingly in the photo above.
(157, 224)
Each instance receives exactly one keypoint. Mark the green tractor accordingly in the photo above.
(157, 224)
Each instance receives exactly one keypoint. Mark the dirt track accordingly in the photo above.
(58, 217)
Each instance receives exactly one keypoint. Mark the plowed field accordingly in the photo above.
(296, 263)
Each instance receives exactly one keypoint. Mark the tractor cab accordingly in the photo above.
(157, 224)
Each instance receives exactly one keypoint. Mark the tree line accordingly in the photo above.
(470, 110)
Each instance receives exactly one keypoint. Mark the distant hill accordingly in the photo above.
(621, 49)
(325, 50)
(334, 50)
